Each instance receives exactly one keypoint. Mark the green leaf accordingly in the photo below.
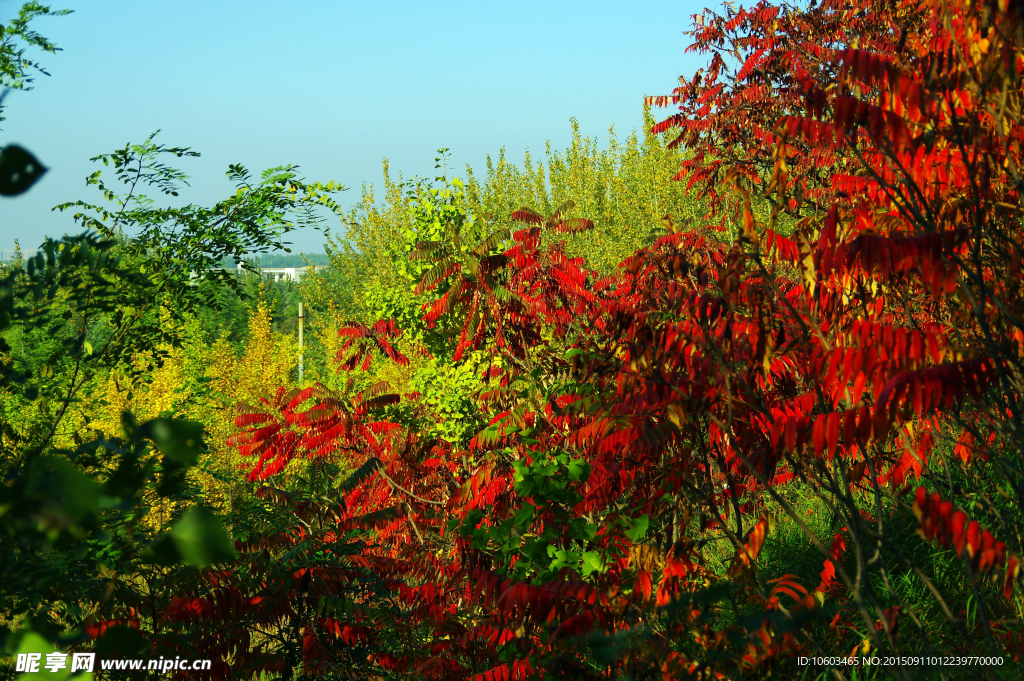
(179, 440)
(524, 515)
(201, 540)
(592, 563)
(127, 479)
(578, 469)
(639, 528)
(172, 478)
(19, 170)
(67, 495)
(163, 551)
(32, 643)
(606, 649)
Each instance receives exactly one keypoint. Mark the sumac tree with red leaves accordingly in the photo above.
(654, 436)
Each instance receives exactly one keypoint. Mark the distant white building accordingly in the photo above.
(277, 273)
(287, 273)
(7, 254)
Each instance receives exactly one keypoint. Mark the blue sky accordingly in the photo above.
(334, 87)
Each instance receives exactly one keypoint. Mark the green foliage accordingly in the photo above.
(448, 393)
(80, 503)
(19, 169)
(625, 188)
(549, 486)
(17, 71)
(72, 516)
(229, 318)
(190, 242)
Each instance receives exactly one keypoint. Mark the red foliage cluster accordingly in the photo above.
(938, 520)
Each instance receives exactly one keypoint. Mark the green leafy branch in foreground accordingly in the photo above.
(16, 70)
(19, 169)
(74, 501)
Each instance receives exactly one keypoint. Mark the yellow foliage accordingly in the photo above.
(267, 362)
(325, 330)
(265, 365)
(169, 389)
(165, 391)
(203, 382)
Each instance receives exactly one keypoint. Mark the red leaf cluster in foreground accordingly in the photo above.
(938, 520)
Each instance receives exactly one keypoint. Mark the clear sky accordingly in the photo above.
(333, 87)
